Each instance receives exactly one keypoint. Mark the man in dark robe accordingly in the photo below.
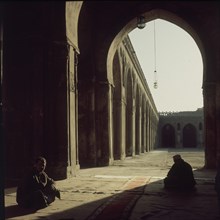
(180, 175)
(37, 190)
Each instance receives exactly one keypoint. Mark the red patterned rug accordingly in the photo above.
(120, 205)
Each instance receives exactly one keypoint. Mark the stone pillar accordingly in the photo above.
(148, 131)
(72, 111)
(151, 135)
(129, 128)
(217, 120)
(178, 138)
(35, 89)
(123, 125)
(200, 139)
(154, 135)
(117, 108)
(119, 128)
(139, 132)
(104, 125)
(133, 134)
(2, 148)
(86, 121)
(210, 124)
(57, 109)
(144, 133)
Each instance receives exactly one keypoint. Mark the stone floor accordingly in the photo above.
(131, 189)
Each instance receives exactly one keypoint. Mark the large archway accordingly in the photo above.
(170, 57)
(107, 40)
(173, 18)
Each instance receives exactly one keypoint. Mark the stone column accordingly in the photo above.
(129, 129)
(200, 139)
(104, 125)
(123, 125)
(119, 128)
(57, 109)
(178, 137)
(133, 134)
(210, 124)
(72, 111)
(218, 121)
(148, 131)
(139, 132)
(144, 133)
(154, 135)
(86, 121)
(2, 152)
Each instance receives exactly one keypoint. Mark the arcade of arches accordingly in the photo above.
(73, 90)
(181, 129)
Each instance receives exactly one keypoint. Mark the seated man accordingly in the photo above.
(37, 190)
(180, 175)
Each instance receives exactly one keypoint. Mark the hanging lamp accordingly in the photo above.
(155, 58)
(141, 22)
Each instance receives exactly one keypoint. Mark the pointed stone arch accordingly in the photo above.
(187, 16)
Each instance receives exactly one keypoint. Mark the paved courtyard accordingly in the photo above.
(131, 189)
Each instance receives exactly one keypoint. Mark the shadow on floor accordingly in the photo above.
(15, 211)
(146, 202)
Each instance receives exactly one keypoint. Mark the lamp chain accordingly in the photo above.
(155, 58)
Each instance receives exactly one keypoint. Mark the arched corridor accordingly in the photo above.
(73, 90)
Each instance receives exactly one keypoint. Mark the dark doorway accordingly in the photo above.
(189, 136)
(168, 136)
